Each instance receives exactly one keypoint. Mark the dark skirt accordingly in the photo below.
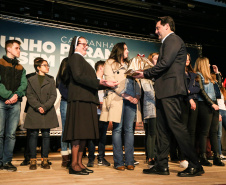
(81, 121)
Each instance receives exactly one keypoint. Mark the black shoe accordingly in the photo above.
(50, 163)
(156, 170)
(8, 166)
(151, 162)
(210, 158)
(204, 161)
(25, 162)
(217, 160)
(191, 172)
(87, 170)
(90, 163)
(1, 166)
(103, 162)
(71, 171)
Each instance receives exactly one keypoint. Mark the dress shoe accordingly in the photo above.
(87, 170)
(156, 170)
(71, 171)
(121, 168)
(130, 167)
(191, 172)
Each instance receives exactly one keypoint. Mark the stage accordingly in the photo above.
(104, 175)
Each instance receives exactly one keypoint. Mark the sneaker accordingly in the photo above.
(184, 164)
(103, 162)
(222, 157)
(8, 166)
(90, 163)
(136, 162)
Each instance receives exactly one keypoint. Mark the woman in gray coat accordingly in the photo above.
(41, 114)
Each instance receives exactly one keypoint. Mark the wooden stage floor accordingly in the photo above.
(104, 175)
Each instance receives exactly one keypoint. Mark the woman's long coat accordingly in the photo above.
(113, 102)
(41, 96)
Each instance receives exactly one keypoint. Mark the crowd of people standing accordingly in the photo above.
(171, 98)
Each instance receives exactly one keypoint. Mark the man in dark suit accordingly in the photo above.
(170, 87)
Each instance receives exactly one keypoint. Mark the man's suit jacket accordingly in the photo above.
(169, 71)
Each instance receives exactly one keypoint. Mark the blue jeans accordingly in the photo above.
(34, 140)
(9, 119)
(103, 126)
(127, 120)
(223, 122)
(63, 112)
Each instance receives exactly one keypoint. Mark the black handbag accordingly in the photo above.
(217, 90)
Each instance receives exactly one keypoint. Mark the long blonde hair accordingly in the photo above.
(202, 66)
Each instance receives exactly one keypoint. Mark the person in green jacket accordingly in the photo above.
(13, 84)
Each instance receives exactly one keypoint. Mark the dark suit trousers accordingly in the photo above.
(169, 122)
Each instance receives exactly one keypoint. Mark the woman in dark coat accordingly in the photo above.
(81, 120)
(41, 114)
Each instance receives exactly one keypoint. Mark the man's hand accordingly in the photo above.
(216, 107)
(193, 104)
(41, 110)
(140, 74)
(108, 83)
(12, 100)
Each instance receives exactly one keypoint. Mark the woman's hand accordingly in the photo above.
(41, 110)
(220, 117)
(215, 69)
(193, 104)
(216, 107)
(130, 98)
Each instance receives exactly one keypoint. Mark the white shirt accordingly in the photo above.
(166, 37)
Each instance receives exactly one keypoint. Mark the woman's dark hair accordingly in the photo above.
(118, 52)
(189, 67)
(62, 75)
(38, 62)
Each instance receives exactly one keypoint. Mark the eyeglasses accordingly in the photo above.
(84, 44)
(45, 65)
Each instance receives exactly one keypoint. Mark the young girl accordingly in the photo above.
(208, 110)
(41, 114)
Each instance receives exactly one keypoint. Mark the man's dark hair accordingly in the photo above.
(167, 19)
(38, 63)
(99, 63)
(9, 43)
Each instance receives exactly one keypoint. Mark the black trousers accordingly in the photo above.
(208, 123)
(169, 122)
